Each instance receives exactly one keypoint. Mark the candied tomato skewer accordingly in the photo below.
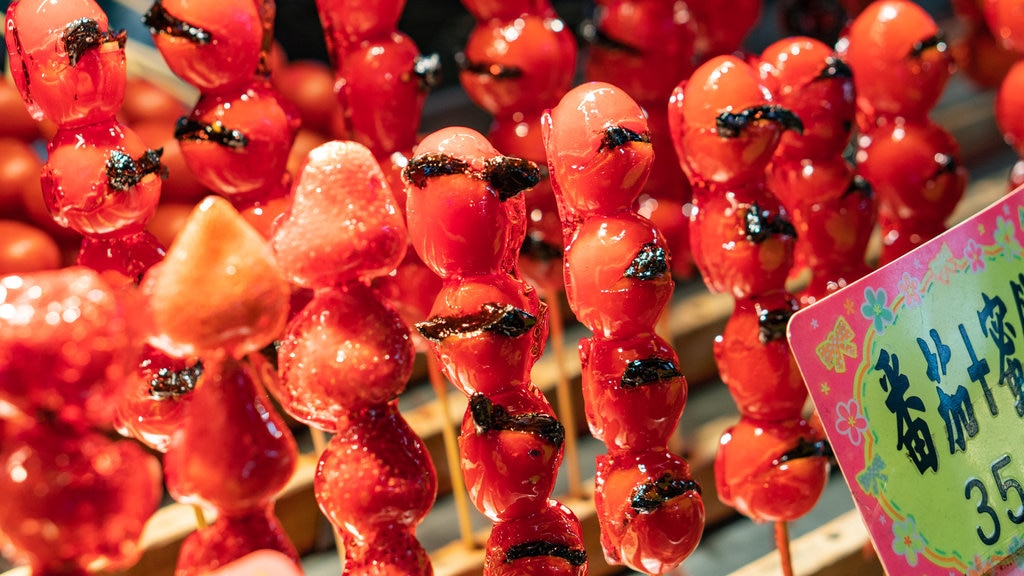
(901, 63)
(466, 217)
(347, 355)
(832, 208)
(726, 127)
(618, 283)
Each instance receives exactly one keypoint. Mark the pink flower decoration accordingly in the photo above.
(850, 422)
(975, 254)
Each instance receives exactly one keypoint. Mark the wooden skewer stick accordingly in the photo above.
(782, 543)
(200, 517)
(451, 451)
(319, 445)
(566, 410)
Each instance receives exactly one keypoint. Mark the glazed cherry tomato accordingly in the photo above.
(230, 538)
(236, 142)
(1006, 21)
(110, 185)
(598, 143)
(762, 471)
(346, 22)
(621, 375)
(68, 65)
(650, 510)
(983, 59)
(547, 542)
(458, 188)
(899, 60)
(159, 402)
(511, 447)
(25, 248)
(128, 256)
(1009, 115)
(211, 45)
(723, 26)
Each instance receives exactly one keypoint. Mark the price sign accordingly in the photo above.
(916, 372)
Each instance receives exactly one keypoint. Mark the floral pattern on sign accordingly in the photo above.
(910, 289)
(943, 266)
(837, 346)
(907, 541)
(975, 256)
(1004, 237)
(876, 308)
(850, 422)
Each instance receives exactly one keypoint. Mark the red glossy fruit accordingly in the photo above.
(1009, 112)
(212, 45)
(180, 184)
(145, 101)
(218, 287)
(168, 221)
(511, 447)
(382, 70)
(755, 475)
(520, 64)
(756, 365)
(129, 256)
(487, 333)
(645, 46)
(239, 477)
(19, 172)
(158, 404)
(375, 472)
(547, 542)
(68, 65)
(410, 289)
(101, 180)
(92, 495)
(345, 351)
(723, 27)
(484, 10)
(650, 509)
(236, 141)
(619, 376)
(342, 224)
(900, 65)
(25, 248)
(66, 347)
(348, 22)
(617, 275)
(309, 86)
(1006, 20)
(916, 172)
(599, 150)
(725, 123)
(807, 77)
(464, 212)
(982, 58)
(231, 538)
(388, 550)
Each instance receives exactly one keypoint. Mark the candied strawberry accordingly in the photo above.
(342, 224)
(218, 288)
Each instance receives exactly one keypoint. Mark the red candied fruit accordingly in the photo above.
(345, 351)
(231, 538)
(71, 82)
(342, 224)
(547, 542)
(66, 345)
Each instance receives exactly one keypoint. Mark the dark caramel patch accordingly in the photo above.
(124, 172)
(84, 34)
(168, 384)
(216, 132)
(731, 125)
(805, 449)
(594, 36)
(426, 166)
(494, 70)
(615, 136)
(160, 21)
(650, 496)
(648, 371)
(491, 417)
(835, 68)
(760, 225)
(508, 176)
(650, 263)
(574, 556)
(938, 42)
(771, 324)
(860, 186)
(504, 319)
